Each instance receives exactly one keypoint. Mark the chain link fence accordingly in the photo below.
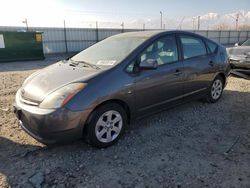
(66, 40)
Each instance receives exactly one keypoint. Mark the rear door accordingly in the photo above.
(198, 64)
(155, 88)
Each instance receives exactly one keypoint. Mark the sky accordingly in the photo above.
(173, 8)
(80, 12)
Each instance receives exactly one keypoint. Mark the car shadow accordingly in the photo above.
(242, 75)
(181, 128)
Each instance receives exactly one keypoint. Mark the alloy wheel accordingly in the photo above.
(108, 126)
(216, 89)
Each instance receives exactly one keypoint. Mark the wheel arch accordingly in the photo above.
(223, 76)
(120, 102)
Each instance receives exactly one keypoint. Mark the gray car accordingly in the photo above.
(239, 55)
(98, 92)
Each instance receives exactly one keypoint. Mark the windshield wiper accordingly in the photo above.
(86, 63)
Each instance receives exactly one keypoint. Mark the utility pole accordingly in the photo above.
(122, 27)
(236, 18)
(193, 23)
(199, 22)
(65, 36)
(164, 26)
(161, 18)
(237, 21)
(143, 27)
(26, 23)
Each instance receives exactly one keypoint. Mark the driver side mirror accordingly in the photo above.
(149, 64)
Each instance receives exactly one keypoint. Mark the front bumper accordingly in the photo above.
(50, 126)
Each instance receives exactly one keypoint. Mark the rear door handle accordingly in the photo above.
(211, 63)
(177, 72)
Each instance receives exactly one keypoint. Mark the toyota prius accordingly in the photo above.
(99, 91)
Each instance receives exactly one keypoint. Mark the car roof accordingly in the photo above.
(151, 33)
(155, 33)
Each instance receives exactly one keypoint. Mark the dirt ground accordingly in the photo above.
(193, 145)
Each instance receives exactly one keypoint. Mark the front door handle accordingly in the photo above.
(177, 72)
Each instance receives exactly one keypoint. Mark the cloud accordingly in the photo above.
(51, 14)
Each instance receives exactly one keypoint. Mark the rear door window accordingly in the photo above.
(211, 46)
(192, 46)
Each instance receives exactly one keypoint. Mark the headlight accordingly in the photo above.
(61, 96)
(30, 76)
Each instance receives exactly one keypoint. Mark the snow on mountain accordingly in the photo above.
(210, 16)
(207, 21)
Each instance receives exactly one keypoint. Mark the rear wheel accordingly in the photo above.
(215, 90)
(106, 125)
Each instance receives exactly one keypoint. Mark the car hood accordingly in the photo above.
(38, 85)
(239, 51)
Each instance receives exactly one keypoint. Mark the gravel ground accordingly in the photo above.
(193, 145)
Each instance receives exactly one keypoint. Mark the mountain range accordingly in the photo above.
(207, 21)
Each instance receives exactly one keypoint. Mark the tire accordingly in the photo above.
(215, 90)
(109, 122)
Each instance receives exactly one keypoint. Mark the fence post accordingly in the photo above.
(219, 36)
(228, 40)
(96, 31)
(238, 36)
(65, 36)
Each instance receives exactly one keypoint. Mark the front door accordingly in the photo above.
(156, 87)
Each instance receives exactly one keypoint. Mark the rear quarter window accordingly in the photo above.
(211, 46)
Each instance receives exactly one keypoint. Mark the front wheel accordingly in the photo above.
(106, 125)
(215, 90)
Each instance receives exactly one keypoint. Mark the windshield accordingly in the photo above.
(246, 43)
(110, 51)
